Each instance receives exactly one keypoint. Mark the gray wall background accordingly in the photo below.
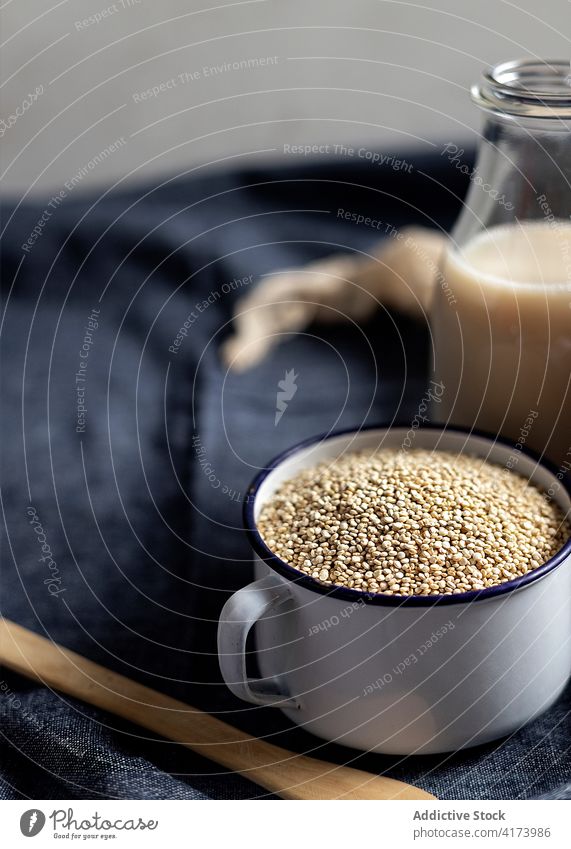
(380, 73)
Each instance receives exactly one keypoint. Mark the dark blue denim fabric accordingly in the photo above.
(147, 542)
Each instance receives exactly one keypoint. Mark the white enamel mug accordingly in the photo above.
(414, 675)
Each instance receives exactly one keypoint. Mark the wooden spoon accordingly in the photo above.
(284, 773)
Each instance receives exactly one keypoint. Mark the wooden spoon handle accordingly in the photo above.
(284, 773)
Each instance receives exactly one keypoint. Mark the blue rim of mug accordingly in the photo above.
(348, 594)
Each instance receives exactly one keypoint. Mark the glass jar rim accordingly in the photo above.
(531, 88)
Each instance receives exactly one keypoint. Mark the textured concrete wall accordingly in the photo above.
(146, 88)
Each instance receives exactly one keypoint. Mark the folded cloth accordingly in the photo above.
(127, 450)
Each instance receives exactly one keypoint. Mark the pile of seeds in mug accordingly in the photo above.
(412, 523)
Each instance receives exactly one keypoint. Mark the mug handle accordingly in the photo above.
(239, 614)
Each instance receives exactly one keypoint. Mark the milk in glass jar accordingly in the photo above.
(501, 318)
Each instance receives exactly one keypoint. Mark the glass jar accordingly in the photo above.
(501, 316)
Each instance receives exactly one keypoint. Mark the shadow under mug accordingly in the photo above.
(401, 675)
